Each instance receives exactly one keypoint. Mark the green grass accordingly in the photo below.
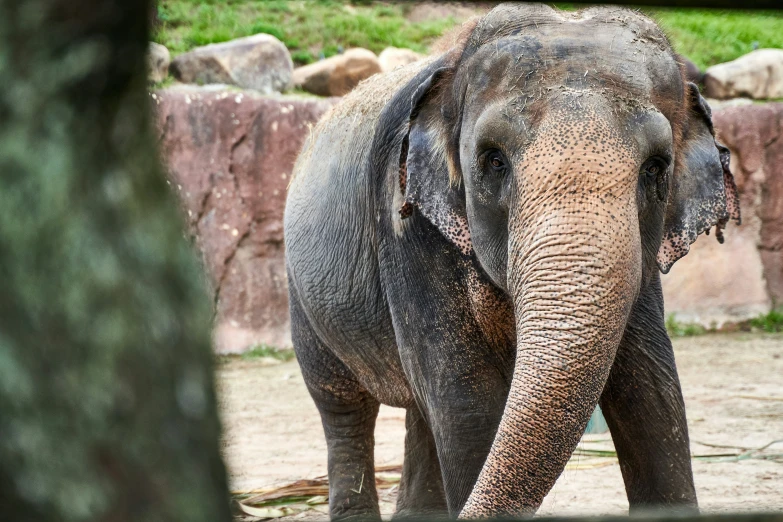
(309, 28)
(771, 322)
(708, 36)
(263, 350)
(167, 82)
(678, 329)
(314, 28)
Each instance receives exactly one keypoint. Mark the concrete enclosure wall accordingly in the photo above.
(230, 155)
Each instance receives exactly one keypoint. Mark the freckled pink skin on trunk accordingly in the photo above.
(574, 265)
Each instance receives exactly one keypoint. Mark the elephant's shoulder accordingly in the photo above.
(346, 131)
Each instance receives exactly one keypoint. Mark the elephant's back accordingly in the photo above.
(330, 236)
(346, 130)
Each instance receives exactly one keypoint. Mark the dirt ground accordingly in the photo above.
(733, 386)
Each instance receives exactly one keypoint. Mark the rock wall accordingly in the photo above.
(229, 155)
(714, 283)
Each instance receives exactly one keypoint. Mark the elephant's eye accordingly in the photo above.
(654, 167)
(496, 162)
(653, 173)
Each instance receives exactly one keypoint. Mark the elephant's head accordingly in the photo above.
(566, 152)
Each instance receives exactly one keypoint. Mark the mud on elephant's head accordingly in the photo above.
(569, 155)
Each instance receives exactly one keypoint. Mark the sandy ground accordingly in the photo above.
(733, 386)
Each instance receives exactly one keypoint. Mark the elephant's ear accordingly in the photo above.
(428, 177)
(703, 192)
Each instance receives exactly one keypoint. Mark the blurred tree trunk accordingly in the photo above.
(107, 407)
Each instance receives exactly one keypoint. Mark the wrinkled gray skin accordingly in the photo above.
(478, 239)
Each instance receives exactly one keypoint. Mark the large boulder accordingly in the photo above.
(229, 156)
(393, 57)
(158, 61)
(758, 75)
(714, 283)
(260, 62)
(337, 75)
(432, 11)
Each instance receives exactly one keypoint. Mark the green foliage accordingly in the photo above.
(771, 322)
(312, 28)
(710, 36)
(263, 350)
(678, 329)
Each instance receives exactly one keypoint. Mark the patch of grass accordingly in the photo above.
(263, 350)
(771, 322)
(678, 329)
(167, 82)
(711, 36)
(309, 28)
(314, 28)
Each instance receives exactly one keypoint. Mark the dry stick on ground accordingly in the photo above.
(303, 495)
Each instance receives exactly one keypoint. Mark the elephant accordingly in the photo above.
(479, 238)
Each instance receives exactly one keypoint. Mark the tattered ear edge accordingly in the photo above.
(674, 247)
(732, 195)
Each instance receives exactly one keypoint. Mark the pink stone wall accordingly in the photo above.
(229, 156)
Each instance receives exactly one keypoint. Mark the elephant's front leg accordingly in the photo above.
(462, 398)
(463, 437)
(643, 405)
(421, 484)
(449, 323)
(461, 387)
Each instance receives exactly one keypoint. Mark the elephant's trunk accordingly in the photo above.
(574, 270)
